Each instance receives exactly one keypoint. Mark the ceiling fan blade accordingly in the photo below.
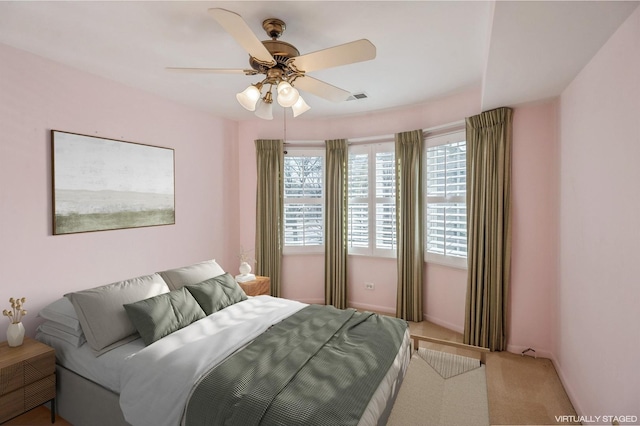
(240, 31)
(321, 89)
(344, 54)
(211, 70)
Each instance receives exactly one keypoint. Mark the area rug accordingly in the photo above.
(446, 364)
(442, 389)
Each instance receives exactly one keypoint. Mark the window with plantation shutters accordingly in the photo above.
(372, 206)
(446, 209)
(304, 201)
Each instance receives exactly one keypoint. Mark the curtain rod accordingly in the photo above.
(443, 128)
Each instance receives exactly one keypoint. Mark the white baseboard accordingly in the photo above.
(570, 393)
(540, 353)
(444, 324)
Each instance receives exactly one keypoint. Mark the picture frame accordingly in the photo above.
(102, 184)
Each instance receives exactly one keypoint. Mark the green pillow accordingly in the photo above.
(161, 315)
(217, 293)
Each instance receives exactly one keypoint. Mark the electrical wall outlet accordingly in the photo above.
(369, 286)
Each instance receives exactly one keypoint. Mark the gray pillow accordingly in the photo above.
(217, 293)
(104, 321)
(192, 274)
(161, 315)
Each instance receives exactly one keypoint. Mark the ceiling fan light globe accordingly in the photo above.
(264, 110)
(300, 107)
(249, 97)
(288, 98)
(284, 88)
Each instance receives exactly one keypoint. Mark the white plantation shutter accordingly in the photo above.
(303, 225)
(386, 226)
(446, 208)
(446, 233)
(385, 200)
(358, 176)
(303, 200)
(358, 216)
(358, 225)
(372, 208)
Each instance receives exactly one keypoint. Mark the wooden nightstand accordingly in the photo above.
(261, 285)
(27, 378)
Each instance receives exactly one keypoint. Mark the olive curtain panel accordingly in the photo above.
(408, 152)
(489, 227)
(269, 211)
(335, 234)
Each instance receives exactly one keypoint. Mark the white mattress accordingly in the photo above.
(120, 369)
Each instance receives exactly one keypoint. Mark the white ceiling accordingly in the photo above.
(516, 52)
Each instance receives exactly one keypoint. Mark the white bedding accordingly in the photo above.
(156, 381)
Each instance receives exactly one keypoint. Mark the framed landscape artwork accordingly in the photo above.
(101, 184)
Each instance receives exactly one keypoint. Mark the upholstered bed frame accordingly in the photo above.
(83, 402)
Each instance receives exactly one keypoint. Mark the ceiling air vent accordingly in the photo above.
(357, 96)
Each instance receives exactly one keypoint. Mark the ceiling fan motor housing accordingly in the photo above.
(280, 50)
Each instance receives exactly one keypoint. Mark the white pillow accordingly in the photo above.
(101, 312)
(61, 311)
(193, 274)
(62, 332)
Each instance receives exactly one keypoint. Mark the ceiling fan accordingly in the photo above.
(283, 66)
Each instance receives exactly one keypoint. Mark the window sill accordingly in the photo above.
(376, 256)
(303, 252)
(455, 262)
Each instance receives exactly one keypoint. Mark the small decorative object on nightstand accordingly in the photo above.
(15, 331)
(27, 378)
(260, 285)
(245, 268)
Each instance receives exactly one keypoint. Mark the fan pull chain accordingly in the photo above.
(285, 125)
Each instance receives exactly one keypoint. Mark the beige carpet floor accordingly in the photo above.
(524, 390)
(521, 390)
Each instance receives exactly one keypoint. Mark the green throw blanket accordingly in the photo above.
(320, 366)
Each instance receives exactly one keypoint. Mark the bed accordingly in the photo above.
(237, 360)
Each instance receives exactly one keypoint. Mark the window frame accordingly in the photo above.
(305, 249)
(372, 200)
(430, 141)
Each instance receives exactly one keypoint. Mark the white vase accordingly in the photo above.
(15, 334)
(245, 268)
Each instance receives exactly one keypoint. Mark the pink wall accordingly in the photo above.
(534, 267)
(599, 291)
(39, 95)
(445, 292)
